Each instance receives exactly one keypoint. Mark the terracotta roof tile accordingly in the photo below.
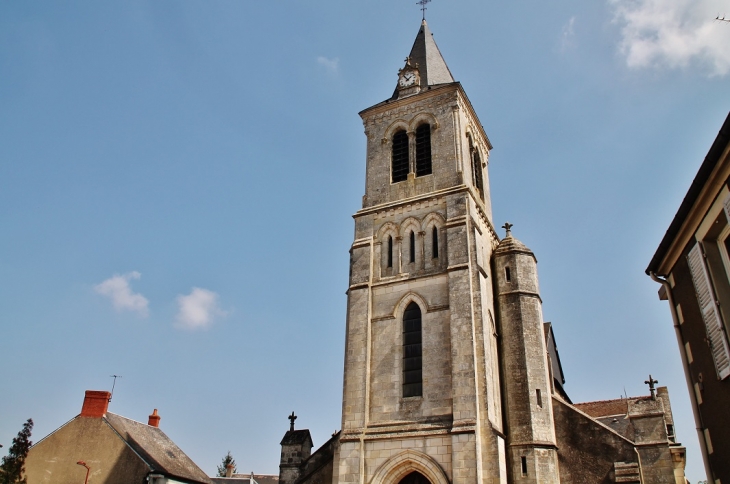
(604, 408)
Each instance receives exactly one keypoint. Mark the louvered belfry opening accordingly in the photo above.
(478, 172)
(476, 168)
(423, 150)
(412, 364)
(400, 156)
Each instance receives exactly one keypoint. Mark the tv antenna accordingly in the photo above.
(722, 19)
(423, 3)
(113, 385)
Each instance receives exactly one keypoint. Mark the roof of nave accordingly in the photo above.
(607, 408)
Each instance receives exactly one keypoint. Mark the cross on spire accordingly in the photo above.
(651, 383)
(292, 418)
(508, 227)
(423, 3)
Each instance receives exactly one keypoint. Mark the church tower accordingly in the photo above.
(422, 396)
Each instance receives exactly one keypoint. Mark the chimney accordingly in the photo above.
(229, 470)
(154, 420)
(95, 404)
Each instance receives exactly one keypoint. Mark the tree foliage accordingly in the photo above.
(13, 464)
(227, 460)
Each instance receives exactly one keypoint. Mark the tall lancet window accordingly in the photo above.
(412, 247)
(412, 364)
(423, 150)
(400, 156)
(476, 168)
(435, 243)
(390, 251)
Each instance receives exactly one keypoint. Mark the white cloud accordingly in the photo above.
(198, 309)
(566, 39)
(117, 289)
(674, 34)
(332, 65)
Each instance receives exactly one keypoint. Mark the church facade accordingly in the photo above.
(451, 375)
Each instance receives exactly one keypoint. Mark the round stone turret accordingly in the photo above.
(526, 382)
(515, 266)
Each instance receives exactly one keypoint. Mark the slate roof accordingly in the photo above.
(296, 437)
(156, 449)
(431, 64)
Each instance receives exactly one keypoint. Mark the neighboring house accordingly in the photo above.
(693, 265)
(114, 449)
(451, 375)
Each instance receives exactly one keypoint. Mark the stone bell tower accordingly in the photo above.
(422, 393)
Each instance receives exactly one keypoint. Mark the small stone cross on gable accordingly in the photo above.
(292, 418)
(652, 390)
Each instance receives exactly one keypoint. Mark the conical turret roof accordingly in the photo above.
(511, 244)
(431, 64)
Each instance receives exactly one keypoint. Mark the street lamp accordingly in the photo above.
(82, 463)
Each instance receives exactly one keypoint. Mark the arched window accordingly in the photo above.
(412, 247)
(390, 251)
(476, 168)
(412, 373)
(400, 156)
(478, 172)
(423, 150)
(435, 242)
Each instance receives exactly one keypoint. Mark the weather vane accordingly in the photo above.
(423, 3)
(722, 19)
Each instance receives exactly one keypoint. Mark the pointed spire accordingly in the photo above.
(431, 64)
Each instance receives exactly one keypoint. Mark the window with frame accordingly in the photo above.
(435, 243)
(400, 156)
(423, 150)
(476, 168)
(412, 247)
(390, 252)
(709, 264)
(412, 352)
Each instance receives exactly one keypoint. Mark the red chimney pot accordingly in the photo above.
(154, 420)
(96, 404)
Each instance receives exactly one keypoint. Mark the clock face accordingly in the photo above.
(407, 79)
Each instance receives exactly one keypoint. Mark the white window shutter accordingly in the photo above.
(710, 313)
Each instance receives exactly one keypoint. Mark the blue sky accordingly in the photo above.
(177, 180)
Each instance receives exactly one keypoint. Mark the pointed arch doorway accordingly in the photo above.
(415, 477)
(410, 464)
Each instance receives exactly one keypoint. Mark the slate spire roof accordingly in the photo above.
(431, 64)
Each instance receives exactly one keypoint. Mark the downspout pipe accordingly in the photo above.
(687, 375)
